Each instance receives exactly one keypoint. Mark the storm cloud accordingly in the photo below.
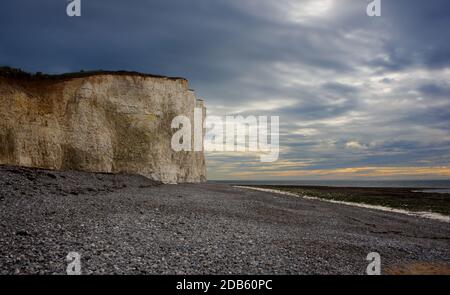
(352, 92)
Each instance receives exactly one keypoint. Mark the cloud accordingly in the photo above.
(350, 90)
(355, 145)
(435, 90)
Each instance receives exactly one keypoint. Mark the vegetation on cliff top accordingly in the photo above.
(15, 73)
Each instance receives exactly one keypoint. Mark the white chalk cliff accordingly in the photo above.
(98, 122)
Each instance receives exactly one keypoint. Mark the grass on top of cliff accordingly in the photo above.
(399, 198)
(15, 73)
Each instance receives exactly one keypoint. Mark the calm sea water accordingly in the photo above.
(442, 185)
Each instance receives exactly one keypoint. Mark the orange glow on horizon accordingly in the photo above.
(359, 172)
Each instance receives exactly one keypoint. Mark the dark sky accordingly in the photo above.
(357, 96)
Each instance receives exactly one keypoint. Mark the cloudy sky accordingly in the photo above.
(358, 97)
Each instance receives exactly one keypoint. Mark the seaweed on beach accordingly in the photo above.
(401, 198)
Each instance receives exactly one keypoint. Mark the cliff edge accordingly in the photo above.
(98, 122)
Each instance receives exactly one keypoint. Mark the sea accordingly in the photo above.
(435, 186)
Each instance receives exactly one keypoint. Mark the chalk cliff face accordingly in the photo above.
(101, 122)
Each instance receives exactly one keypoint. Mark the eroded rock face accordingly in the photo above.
(99, 123)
